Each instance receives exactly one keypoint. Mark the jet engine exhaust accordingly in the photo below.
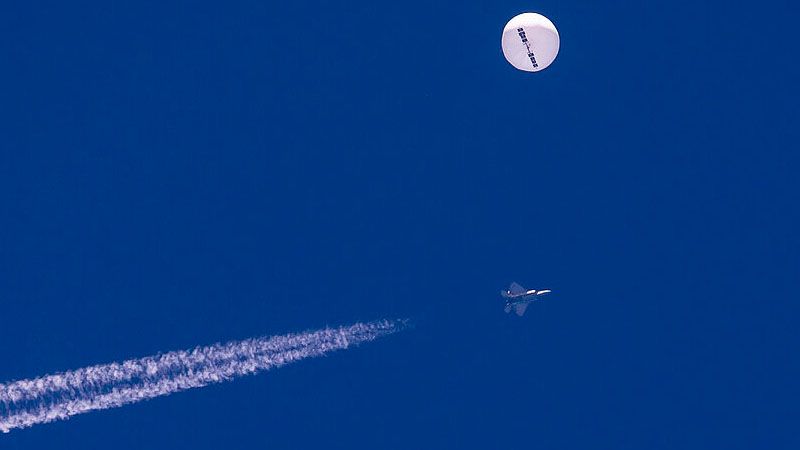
(25, 403)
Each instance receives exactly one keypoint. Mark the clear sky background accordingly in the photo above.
(180, 173)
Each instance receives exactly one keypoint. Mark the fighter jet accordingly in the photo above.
(518, 298)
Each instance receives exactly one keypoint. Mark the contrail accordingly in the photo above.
(45, 399)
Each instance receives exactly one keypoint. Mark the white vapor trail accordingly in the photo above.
(45, 399)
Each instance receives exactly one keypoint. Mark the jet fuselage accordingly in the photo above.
(518, 298)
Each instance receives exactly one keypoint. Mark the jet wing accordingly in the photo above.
(520, 308)
(516, 289)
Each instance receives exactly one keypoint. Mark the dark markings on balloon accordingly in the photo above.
(524, 38)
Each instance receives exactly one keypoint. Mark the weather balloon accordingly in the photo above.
(530, 42)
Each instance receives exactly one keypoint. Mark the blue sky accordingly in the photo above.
(180, 173)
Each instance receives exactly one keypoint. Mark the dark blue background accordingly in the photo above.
(180, 173)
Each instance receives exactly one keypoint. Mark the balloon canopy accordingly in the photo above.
(530, 42)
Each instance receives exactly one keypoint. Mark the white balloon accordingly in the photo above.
(530, 42)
